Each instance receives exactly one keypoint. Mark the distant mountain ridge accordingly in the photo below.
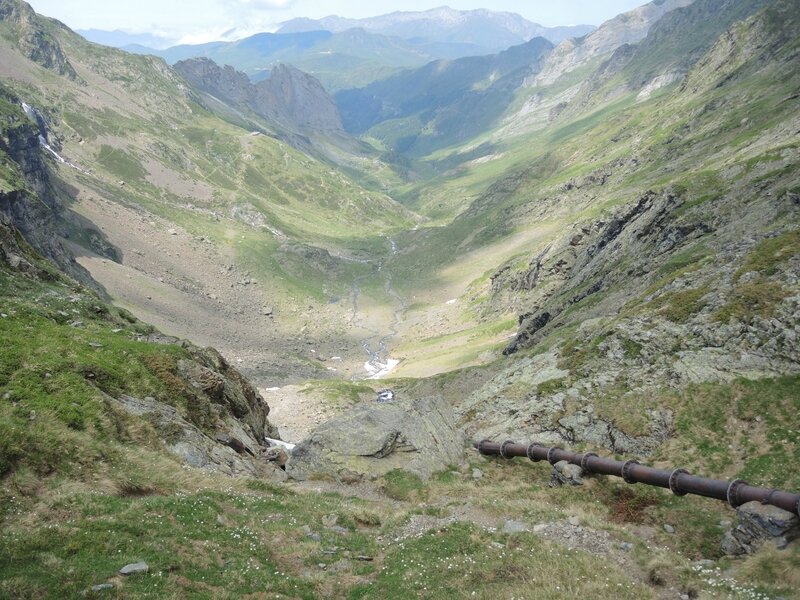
(120, 39)
(347, 59)
(448, 100)
(493, 30)
(348, 53)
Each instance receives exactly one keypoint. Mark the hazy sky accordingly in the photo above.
(203, 20)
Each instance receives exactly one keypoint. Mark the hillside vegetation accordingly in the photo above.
(595, 246)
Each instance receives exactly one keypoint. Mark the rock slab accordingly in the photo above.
(758, 523)
(134, 568)
(418, 436)
(565, 473)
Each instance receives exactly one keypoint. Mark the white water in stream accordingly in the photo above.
(34, 115)
(379, 364)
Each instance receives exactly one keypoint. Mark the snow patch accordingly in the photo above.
(377, 370)
(272, 442)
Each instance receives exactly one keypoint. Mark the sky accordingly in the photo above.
(197, 21)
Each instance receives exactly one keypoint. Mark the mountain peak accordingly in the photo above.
(289, 97)
(33, 38)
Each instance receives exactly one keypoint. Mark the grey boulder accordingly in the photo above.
(418, 436)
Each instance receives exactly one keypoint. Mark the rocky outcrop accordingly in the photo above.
(29, 198)
(297, 98)
(33, 38)
(757, 524)
(223, 385)
(195, 447)
(584, 259)
(372, 439)
(225, 82)
(225, 422)
(534, 398)
(289, 97)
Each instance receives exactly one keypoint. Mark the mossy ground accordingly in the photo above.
(86, 490)
(224, 538)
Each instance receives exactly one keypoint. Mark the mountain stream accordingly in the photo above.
(379, 363)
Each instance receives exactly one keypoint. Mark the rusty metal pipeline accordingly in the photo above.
(679, 481)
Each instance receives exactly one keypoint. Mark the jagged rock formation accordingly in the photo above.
(373, 439)
(228, 422)
(288, 97)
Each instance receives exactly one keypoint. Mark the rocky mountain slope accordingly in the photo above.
(627, 28)
(442, 103)
(672, 262)
(288, 97)
(610, 264)
(29, 198)
(156, 177)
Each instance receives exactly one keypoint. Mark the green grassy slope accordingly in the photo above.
(85, 490)
(720, 140)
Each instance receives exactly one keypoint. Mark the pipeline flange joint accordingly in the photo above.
(732, 495)
(673, 481)
(529, 452)
(503, 447)
(626, 470)
(479, 445)
(550, 457)
(585, 460)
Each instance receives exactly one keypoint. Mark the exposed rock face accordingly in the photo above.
(757, 524)
(33, 39)
(210, 373)
(297, 98)
(643, 319)
(627, 28)
(224, 82)
(232, 414)
(532, 399)
(373, 439)
(290, 97)
(31, 203)
(13, 251)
